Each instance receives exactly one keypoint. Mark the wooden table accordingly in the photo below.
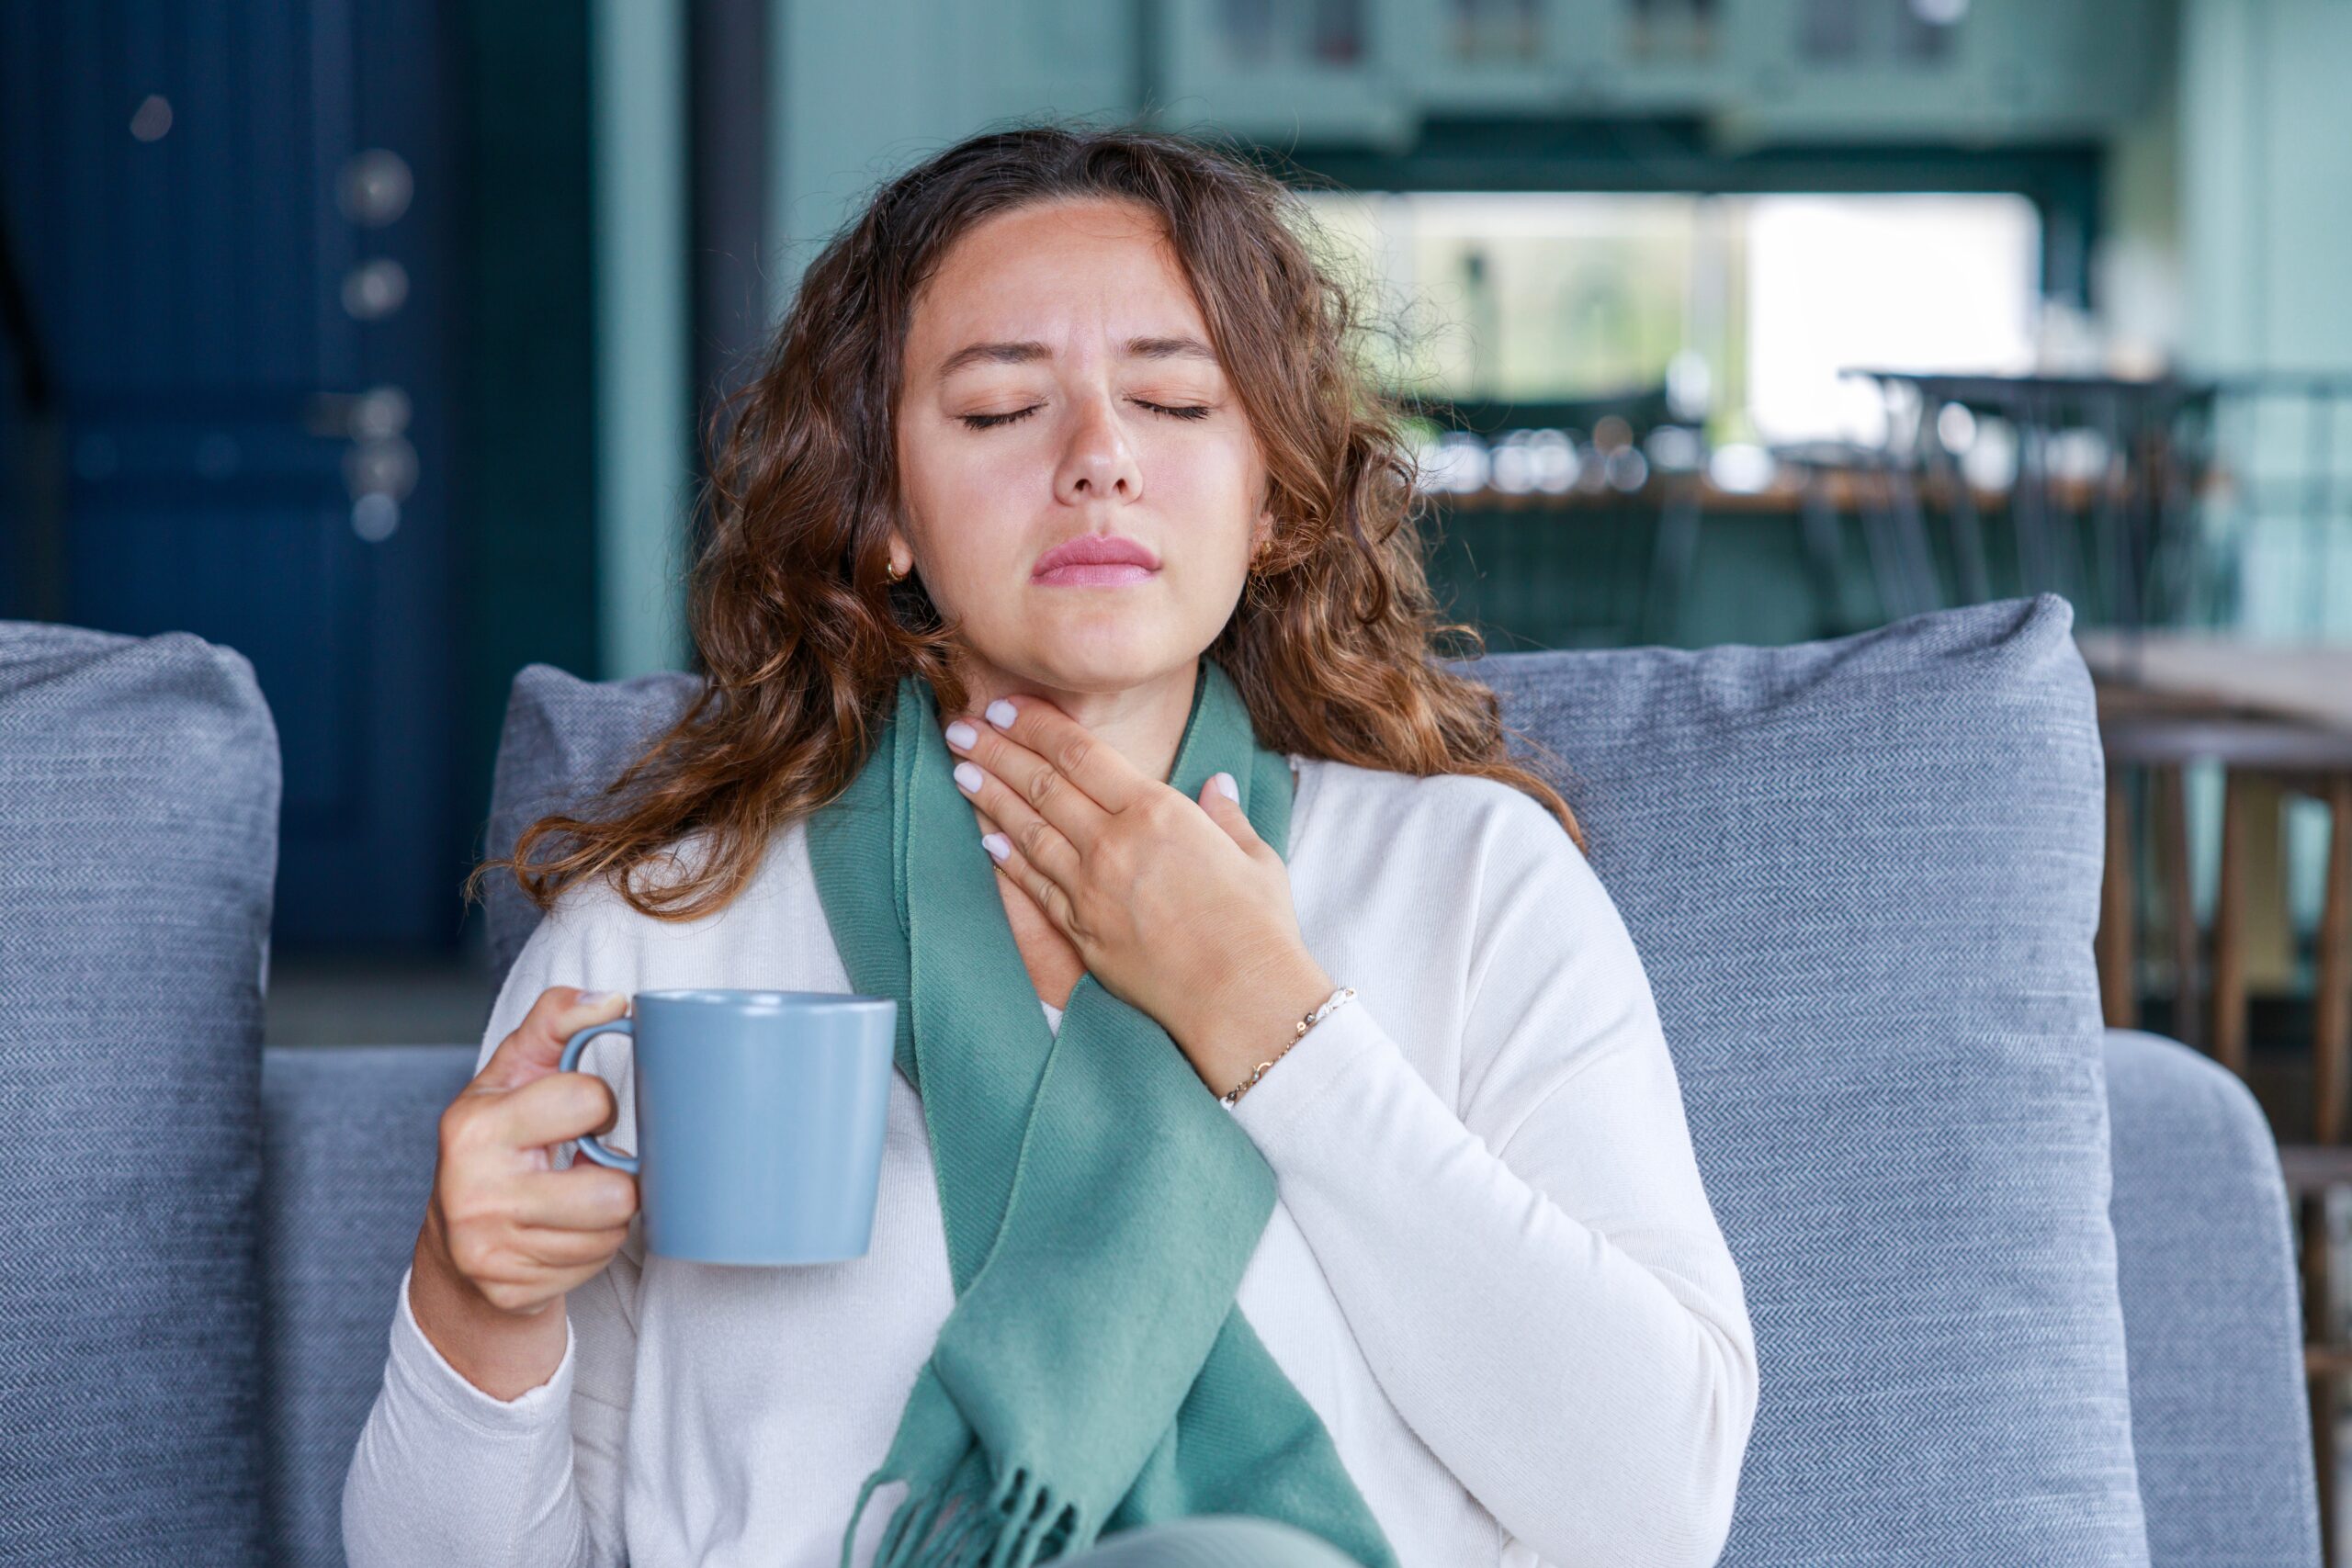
(2306, 682)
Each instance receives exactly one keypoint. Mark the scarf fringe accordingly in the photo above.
(1025, 1511)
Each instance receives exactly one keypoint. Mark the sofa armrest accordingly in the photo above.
(349, 1137)
(2205, 1250)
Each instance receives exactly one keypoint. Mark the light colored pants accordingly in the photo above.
(1212, 1540)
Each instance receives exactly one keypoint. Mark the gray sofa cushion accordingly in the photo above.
(564, 740)
(139, 796)
(2220, 1422)
(1863, 877)
(352, 1135)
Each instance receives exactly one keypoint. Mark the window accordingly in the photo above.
(1892, 282)
(1746, 308)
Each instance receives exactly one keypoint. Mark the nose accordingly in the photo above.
(1099, 463)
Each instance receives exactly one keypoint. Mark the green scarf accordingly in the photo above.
(1100, 1204)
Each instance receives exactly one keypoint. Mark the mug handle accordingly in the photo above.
(572, 1048)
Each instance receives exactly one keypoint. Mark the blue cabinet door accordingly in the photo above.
(230, 221)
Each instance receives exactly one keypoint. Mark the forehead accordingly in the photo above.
(1042, 270)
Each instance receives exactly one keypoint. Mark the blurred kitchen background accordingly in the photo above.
(370, 337)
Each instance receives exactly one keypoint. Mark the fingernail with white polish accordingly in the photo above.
(1001, 712)
(997, 845)
(1225, 782)
(968, 777)
(961, 734)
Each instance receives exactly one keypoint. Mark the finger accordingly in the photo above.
(1038, 839)
(1226, 812)
(1075, 751)
(536, 1044)
(994, 840)
(585, 1197)
(1058, 773)
(1041, 889)
(568, 1248)
(556, 1107)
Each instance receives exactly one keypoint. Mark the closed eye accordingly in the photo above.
(990, 421)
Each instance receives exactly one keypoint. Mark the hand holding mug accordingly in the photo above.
(503, 1220)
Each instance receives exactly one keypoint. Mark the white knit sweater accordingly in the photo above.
(1492, 1268)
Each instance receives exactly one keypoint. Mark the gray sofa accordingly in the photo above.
(2023, 1287)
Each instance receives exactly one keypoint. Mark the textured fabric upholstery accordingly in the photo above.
(2219, 1419)
(139, 799)
(564, 741)
(351, 1136)
(1863, 876)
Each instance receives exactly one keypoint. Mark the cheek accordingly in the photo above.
(1208, 464)
(968, 563)
(969, 526)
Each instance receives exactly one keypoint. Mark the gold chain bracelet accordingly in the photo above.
(1337, 999)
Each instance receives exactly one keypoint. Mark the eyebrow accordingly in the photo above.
(1179, 347)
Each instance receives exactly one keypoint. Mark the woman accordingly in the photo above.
(1060, 483)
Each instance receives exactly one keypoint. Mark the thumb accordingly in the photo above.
(1226, 812)
(535, 1046)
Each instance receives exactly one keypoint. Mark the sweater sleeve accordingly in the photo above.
(1534, 1274)
(445, 1472)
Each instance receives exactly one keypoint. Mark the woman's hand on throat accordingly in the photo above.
(1176, 905)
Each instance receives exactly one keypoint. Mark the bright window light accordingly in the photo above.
(1745, 309)
(1886, 282)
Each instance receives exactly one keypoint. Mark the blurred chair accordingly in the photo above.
(1635, 457)
(1837, 477)
(2128, 457)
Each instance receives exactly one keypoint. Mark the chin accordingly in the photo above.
(1102, 659)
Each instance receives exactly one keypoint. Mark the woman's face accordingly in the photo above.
(1060, 385)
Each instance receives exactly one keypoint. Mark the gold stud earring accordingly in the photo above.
(896, 575)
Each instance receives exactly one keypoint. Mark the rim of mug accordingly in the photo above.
(772, 999)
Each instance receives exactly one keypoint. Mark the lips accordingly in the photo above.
(1097, 550)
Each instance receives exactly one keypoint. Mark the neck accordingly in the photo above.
(1143, 723)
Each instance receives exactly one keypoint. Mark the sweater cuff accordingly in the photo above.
(1346, 1039)
(419, 1363)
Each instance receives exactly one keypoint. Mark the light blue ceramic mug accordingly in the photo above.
(759, 1120)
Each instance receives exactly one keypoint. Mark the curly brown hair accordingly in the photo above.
(801, 636)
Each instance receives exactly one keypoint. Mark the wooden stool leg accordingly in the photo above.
(2171, 806)
(2331, 983)
(2229, 920)
(2320, 1375)
(2119, 992)
(2332, 1023)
